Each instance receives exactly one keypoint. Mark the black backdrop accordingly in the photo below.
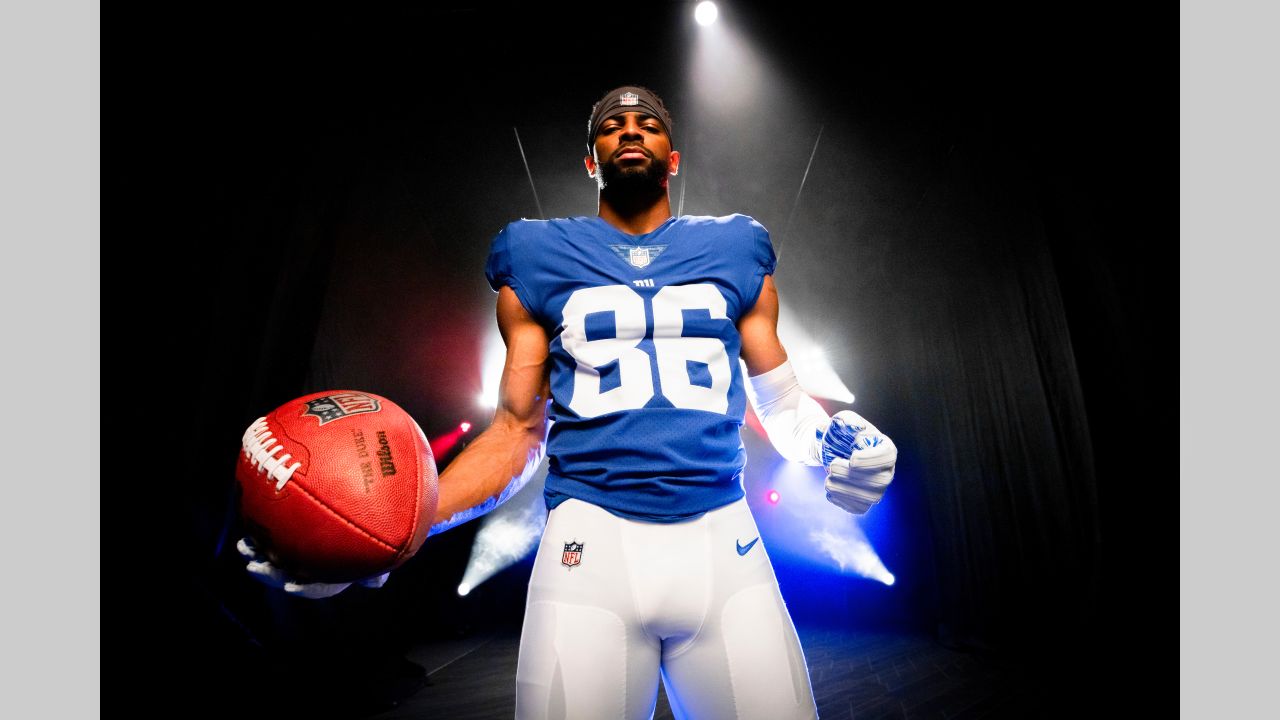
(984, 224)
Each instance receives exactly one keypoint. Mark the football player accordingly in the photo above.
(624, 333)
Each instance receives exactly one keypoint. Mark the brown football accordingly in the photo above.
(337, 486)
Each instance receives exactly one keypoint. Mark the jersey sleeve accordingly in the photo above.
(763, 260)
(503, 266)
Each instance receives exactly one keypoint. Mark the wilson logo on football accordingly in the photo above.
(261, 449)
(340, 405)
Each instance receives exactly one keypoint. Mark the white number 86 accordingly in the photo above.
(673, 351)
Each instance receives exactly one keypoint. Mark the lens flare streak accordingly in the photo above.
(851, 554)
(507, 534)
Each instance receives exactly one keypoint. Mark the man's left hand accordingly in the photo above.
(859, 461)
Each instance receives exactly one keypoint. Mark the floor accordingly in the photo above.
(854, 675)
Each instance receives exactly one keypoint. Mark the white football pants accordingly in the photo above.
(696, 601)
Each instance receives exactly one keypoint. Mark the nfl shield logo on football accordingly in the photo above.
(572, 556)
(640, 257)
(339, 405)
(628, 98)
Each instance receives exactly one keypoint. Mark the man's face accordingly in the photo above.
(632, 149)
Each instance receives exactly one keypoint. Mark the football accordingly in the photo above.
(337, 486)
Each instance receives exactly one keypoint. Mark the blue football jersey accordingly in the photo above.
(646, 388)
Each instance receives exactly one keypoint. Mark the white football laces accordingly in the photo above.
(261, 448)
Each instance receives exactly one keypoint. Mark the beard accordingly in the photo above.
(634, 180)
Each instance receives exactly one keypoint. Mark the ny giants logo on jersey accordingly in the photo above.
(572, 556)
(640, 257)
(339, 405)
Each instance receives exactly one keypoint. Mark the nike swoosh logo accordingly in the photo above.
(744, 549)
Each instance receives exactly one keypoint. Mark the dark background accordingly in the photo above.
(984, 234)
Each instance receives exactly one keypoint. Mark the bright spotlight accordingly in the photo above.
(773, 496)
(705, 13)
(463, 589)
(813, 368)
(444, 443)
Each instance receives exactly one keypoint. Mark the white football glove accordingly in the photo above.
(262, 570)
(859, 461)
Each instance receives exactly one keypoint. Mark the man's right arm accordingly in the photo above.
(495, 465)
(491, 469)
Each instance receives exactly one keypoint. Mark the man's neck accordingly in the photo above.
(638, 219)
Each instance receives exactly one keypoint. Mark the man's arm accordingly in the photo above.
(495, 465)
(858, 457)
(491, 469)
(794, 421)
(761, 349)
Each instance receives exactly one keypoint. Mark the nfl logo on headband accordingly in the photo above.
(629, 98)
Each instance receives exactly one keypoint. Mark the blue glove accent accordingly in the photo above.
(840, 440)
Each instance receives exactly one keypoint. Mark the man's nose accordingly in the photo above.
(631, 129)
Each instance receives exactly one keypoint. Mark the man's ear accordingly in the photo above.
(673, 163)
(590, 162)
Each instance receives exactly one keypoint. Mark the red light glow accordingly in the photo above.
(773, 496)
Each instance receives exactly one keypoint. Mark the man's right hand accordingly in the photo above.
(262, 570)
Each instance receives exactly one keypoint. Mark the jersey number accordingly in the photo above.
(673, 352)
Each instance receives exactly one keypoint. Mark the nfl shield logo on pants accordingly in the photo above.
(572, 556)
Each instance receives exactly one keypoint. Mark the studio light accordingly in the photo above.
(705, 13)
